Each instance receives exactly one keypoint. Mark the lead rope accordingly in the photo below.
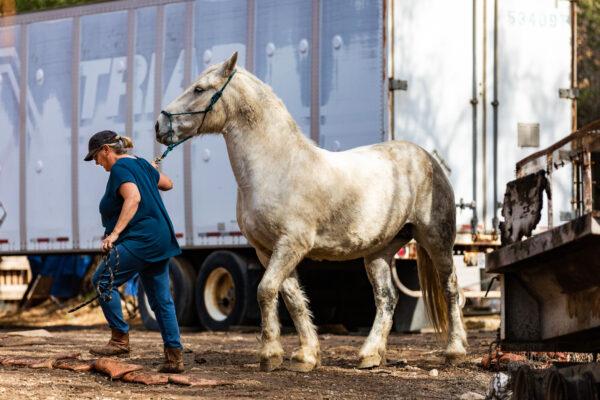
(170, 147)
(104, 296)
(213, 100)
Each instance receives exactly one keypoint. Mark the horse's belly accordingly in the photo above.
(348, 245)
(342, 250)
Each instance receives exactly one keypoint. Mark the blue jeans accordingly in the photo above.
(154, 277)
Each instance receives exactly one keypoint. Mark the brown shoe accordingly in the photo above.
(117, 345)
(173, 361)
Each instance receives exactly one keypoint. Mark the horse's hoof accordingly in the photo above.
(299, 366)
(370, 362)
(269, 364)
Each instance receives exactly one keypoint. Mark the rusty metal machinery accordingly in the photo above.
(551, 280)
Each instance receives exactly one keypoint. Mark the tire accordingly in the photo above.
(181, 276)
(222, 291)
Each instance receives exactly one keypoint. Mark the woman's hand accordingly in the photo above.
(164, 182)
(109, 241)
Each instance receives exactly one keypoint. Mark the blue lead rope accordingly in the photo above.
(170, 147)
(213, 100)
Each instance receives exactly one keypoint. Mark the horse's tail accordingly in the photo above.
(433, 292)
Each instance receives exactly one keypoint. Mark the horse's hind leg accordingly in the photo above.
(457, 337)
(378, 265)
(440, 252)
(308, 355)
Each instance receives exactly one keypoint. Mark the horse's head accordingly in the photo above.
(200, 108)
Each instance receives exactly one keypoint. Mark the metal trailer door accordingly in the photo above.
(102, 105)
(144, 80)
(48, 146)
(534, 62)
(10, 78)
(172, 47)
(445, 51)
(282, 57)
(220, 28)
(432, 51)
(352, 98)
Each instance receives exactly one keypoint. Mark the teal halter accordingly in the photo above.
(213, 100)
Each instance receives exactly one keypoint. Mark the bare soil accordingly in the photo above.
(232, 357)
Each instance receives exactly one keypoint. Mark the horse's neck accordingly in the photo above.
(266, 151)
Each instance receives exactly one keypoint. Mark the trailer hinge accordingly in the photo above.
(568, 93)
(397, 84)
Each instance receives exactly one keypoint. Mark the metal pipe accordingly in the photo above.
(474, 113)
(23, 71)
(250, 31)
(495, 118)
(579, 185)
(315, 102)
(587, 184)
(573, 63)
(131, 25)
(75, 61)
(549, 167)
(158, 67)
(484, 160)
(391, 93)
(187, 147)
(574, 166)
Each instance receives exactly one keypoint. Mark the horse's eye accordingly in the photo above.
(198, 90)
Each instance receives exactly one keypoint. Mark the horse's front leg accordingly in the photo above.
(284, 259)
(308, 356)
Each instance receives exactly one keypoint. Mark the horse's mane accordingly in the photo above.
(261, 102)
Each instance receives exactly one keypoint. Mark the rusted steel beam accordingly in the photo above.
(517, 256)
(549, 159)
(587, 182)
(592, 130)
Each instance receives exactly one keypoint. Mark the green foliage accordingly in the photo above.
(588, 61)
(38, 5)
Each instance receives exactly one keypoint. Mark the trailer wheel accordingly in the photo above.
(222, 291)
(182, 277)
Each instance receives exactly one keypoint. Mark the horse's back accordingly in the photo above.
(369, 194)
(414, 177)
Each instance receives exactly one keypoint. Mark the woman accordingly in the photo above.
(140, 240)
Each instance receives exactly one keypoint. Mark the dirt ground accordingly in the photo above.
(232, 357)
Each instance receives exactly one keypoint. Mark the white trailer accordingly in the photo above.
(466, 80)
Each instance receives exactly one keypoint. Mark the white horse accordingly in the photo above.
(296, 200)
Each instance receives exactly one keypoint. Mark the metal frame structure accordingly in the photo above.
(551, 281)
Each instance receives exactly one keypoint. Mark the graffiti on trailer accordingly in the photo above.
(103, 86)
(9, 67)
(104, 81)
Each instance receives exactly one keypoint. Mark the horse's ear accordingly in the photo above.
(229, 65)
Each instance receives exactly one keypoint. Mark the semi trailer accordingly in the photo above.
(476, 83)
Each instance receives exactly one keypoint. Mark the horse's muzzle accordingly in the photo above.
(162, 136)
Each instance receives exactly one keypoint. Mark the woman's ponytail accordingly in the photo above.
(127, 142)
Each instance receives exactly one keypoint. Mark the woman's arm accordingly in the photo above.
(164, 182)
(131, 201)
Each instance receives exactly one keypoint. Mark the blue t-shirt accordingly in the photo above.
(149, 235)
